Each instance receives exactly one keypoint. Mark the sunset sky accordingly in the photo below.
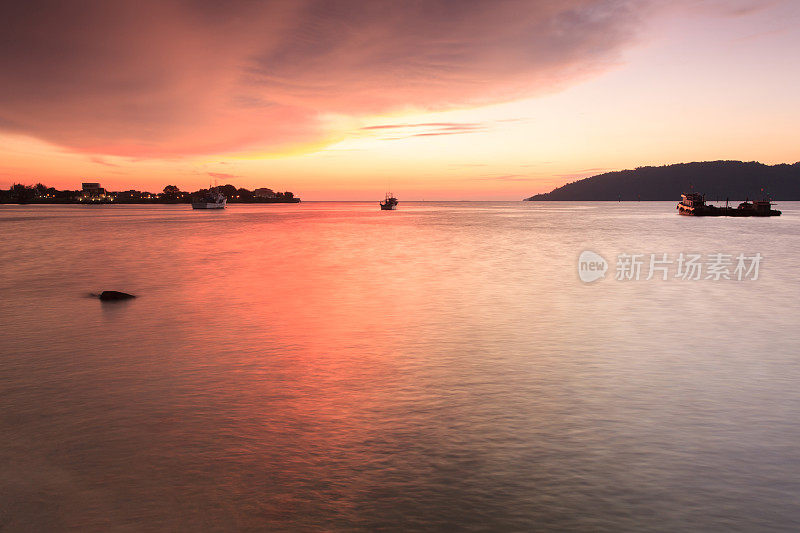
(433, 99)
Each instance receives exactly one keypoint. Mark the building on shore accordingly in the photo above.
(93, 192)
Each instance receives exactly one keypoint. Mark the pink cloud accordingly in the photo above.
(449, 125)
(427, 129)
(223, 175)
(507, 177)
(191, 77)
(101, 161)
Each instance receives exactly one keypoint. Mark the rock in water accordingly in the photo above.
(108, 296)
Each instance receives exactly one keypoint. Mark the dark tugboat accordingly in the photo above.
(756, 208)
(694, 204)
(390, 203)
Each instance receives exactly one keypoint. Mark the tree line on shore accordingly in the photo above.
(171, 194)
(718, 180)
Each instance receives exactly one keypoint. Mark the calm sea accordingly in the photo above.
(329, 366)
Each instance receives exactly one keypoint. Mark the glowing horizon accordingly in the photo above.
(435, 101)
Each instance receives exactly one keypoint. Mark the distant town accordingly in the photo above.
(94, 193)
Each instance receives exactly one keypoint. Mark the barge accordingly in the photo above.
(694, 205)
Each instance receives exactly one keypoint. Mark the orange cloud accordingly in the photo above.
(191, 77)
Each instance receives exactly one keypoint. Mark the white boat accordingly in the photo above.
(213, 199)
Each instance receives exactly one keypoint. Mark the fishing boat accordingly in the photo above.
(694, 204)
(213, 199)
(390, 203)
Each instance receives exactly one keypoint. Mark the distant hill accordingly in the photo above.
(736, 180)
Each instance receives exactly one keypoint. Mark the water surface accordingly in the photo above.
(329, 366)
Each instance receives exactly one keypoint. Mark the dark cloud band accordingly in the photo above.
(174, 78)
